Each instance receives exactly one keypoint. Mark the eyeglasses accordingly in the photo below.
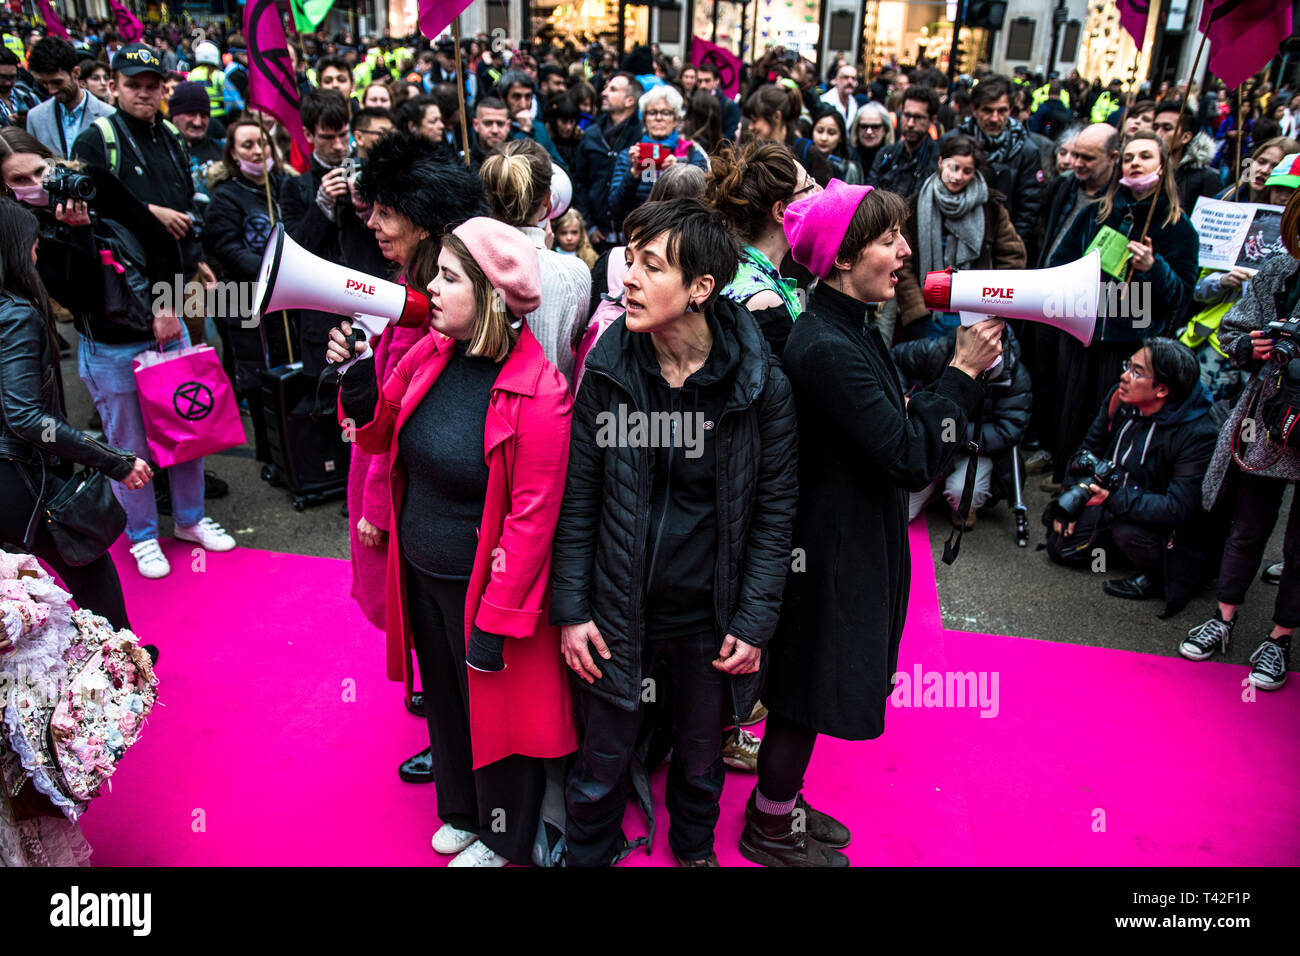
(1134, 372)
(917, 117)
(660, 114)
(874, 127)
(809, 188)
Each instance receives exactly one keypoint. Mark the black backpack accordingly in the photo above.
(122, 272)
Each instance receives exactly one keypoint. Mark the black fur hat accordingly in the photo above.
(422, 180)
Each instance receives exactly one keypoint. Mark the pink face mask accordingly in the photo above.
(252, 170)
(1141, 183)
(31, 195)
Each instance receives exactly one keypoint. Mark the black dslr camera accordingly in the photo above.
(1286, 341)
(68, 185)
(1089, 470)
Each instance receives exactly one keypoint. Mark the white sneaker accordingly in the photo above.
(149, 559)
(208, 534)
(448, 840)
(478, 854)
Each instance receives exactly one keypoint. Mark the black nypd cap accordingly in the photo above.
(137, 58)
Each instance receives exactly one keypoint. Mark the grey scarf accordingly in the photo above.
(960, 215)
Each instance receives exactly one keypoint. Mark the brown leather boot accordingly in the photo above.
(771, 840)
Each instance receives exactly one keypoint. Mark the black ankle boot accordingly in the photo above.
(772, 840)
(822, 827)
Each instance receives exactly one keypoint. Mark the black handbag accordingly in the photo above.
(83, 517)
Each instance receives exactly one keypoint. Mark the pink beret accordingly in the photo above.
(507, 258)
(816, 225)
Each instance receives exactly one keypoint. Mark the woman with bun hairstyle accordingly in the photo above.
(862, 448)
(411, 192)
(751, 185)
(475, 421)
(517, 180)
(770, 114)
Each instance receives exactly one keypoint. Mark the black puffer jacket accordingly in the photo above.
(603, 538)
(1008, 398)
(31, 399)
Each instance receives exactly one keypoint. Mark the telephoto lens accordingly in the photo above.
(1095, 471)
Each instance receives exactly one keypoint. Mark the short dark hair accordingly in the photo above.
(361, 119)
(53, 55)
(959, 144)
(411, 112)
(922, 94)
(89, 66)
(334, 61)
(514, 78)
(550, 69)
(698, 240)
(1187, 122)
(327, 108)
(633, 84)
(708, 66)
(989, 89)
(490, 103)
(1173, 365)
(879, 211)
(7, 57)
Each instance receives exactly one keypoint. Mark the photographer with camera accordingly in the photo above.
(321, 215)
(1136, 478)
(1258, 453)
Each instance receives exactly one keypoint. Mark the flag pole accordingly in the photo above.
(460, 88)
(1186, 102)
(269, 154)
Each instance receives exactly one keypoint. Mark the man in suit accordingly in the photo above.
(70, 109)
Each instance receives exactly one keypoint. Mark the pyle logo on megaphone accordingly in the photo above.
(996, 295)
(358, 289)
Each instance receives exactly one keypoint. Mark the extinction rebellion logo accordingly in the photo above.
(193, 401)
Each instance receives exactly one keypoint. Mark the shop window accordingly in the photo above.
(1070, 42)
(1020, 39)
(670, 24)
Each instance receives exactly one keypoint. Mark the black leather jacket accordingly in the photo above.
(32, 421)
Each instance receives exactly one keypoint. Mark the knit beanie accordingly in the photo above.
(508, 259)
(188, 97)
(816, 225)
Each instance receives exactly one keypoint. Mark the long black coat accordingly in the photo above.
(602, 539)
(861, 452)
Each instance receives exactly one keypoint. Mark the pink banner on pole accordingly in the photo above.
(128, 27)
(436, 15)
(1243, 35)
(1133, 18)
(728, 64)
(53, 25)
(272, 83)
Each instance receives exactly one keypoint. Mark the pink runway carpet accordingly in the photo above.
(279, 740)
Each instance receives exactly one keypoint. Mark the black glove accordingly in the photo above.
(484, 651)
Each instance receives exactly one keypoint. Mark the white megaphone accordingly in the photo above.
(1065, 297)
(293, 278)
(561, 193)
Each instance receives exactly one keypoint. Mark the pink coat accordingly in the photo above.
(368, 487)
(526, 708)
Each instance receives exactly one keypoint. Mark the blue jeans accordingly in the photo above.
(106, 370)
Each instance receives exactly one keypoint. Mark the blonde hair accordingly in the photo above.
(495, 330)
(570, 219)
(1167, 184)
(517, 180)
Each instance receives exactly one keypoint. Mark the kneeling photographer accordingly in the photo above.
(1135, 482)
(1258, 455)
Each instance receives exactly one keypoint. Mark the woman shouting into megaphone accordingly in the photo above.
(469, 547)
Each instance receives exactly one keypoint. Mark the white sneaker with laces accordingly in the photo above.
(149, 559)
(478, 854)
(208, 534)
(448, 840)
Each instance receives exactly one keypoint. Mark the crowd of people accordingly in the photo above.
(652, 456)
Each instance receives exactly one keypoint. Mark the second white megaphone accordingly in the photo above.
(1065, 297)
(293, 278)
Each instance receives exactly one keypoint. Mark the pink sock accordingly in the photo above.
(773, 807)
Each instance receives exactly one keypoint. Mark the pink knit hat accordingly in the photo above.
(816, 225)
(508, 259)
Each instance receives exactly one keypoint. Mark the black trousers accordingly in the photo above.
(596, 790)
(1084, 376)
(502, 801)
(1255, 514)
(94, 586)
(1142, 545)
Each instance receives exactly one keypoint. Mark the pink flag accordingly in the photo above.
(128, 27)
(728, 64)
(1243, 35)
(436, 15)
(52, 22)
(1133, 18)
(272, 85)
